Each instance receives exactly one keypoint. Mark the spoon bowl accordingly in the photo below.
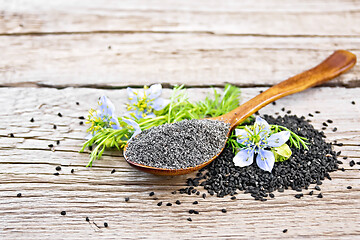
(337, 63)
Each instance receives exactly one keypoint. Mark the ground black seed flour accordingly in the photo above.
(179, 145)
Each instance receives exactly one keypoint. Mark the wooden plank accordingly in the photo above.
(226, 17)
(139, 59)
(27, 166)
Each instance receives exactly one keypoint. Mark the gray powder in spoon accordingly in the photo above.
(178, 145)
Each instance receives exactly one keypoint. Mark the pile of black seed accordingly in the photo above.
(304, 167)
(178, 145)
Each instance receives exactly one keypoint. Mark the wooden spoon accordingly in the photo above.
(339, 62)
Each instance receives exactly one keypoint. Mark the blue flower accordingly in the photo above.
(256, 140)
(133, 126)
(106, 113)
(144, 102)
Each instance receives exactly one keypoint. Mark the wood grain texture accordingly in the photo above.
(139, 59)
(275, 17)
(27, 165)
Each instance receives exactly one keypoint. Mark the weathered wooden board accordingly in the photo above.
(27, 165)
(281, 18)
(85, 60)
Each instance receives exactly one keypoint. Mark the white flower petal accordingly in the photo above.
(244, 158)
(242, 135)
(131, 94)
(134, 124)
(159, 103)
(278, 139)
(263, 123)
(265, 160)
(154, 91)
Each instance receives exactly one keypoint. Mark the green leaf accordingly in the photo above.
(282, 153)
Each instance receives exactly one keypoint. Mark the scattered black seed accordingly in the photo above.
(223, 210)
(58, 168)
(305, 167)
(57, 142)
(90, 147)
(299, 195)
(169, 204)
(54, 126)
(358, 163)
(352, 163)
(159, 204)
(18, 195)
(11, 135)
(196, 212)
(113, 171)
(325, 124)
(82, 117)
(342, 169)
(87, 219)
(81, 122)
(283, 109)
(257, 113)
(273, 103)
(72, 170)
(349, 187)
(63, 213)
(285, 230)
(51, 145)
(155, 198)
(106, 224)
(173, 192)
(338, 153)
(310, 115)
(288, 112)
(353, 102)
(127, 199)
(323, 128)
(271, 195)
(317, 112)
(329, 121)
(189, 219)
(233, 198)
(340, 144)
(165, 146)
(151, 194)
(32, 120)
(204, 195)
(77, 103)
(311, 193)
(345, 157)
(191, 211)
(320, 195)
(317, 188)
(334, 129)
(178, 202)
(56, 174)
(59, 114)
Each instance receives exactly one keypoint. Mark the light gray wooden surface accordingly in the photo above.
(54, 54)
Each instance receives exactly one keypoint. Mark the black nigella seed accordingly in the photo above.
(325, 124)
(90, 147)
(320, 195)
(196, 212)
(18, 195)
(353, 102)
(81, 122)
(77, 103)
(334, 129)
(82, 117)
(155, 198)
(151, 194)
(195, 202)
(342, 169)
(233, 198)
(127, 199)
(204, 195)
(288, 112)
(318, 182)
(273, 103)
(189, 219)
(352, 163)
(329, 121)
(54, 126)
(58, 168)
(191, 211)
(281, 190)
(11, 135)
(51, 145)
(113, 171)
(59, 114)
(63, 213)
(87, 219)
(106, 224)
(317, 112)
(310, 115)
(299, 195)
(271, 195)
(323, 128)
(57, 142)
(169, 204)
(173, 192)
(56, 174)
(349, 187)
(32, 120)
(283, 109)
(178, 202)
(338, 153)
(159, 204)
(285, 230)
(72, 170)
(345, 157)
(317, 188)
(311, 193)
(223, 210)
(358, 163)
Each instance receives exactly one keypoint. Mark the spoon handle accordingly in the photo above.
(339, 62)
